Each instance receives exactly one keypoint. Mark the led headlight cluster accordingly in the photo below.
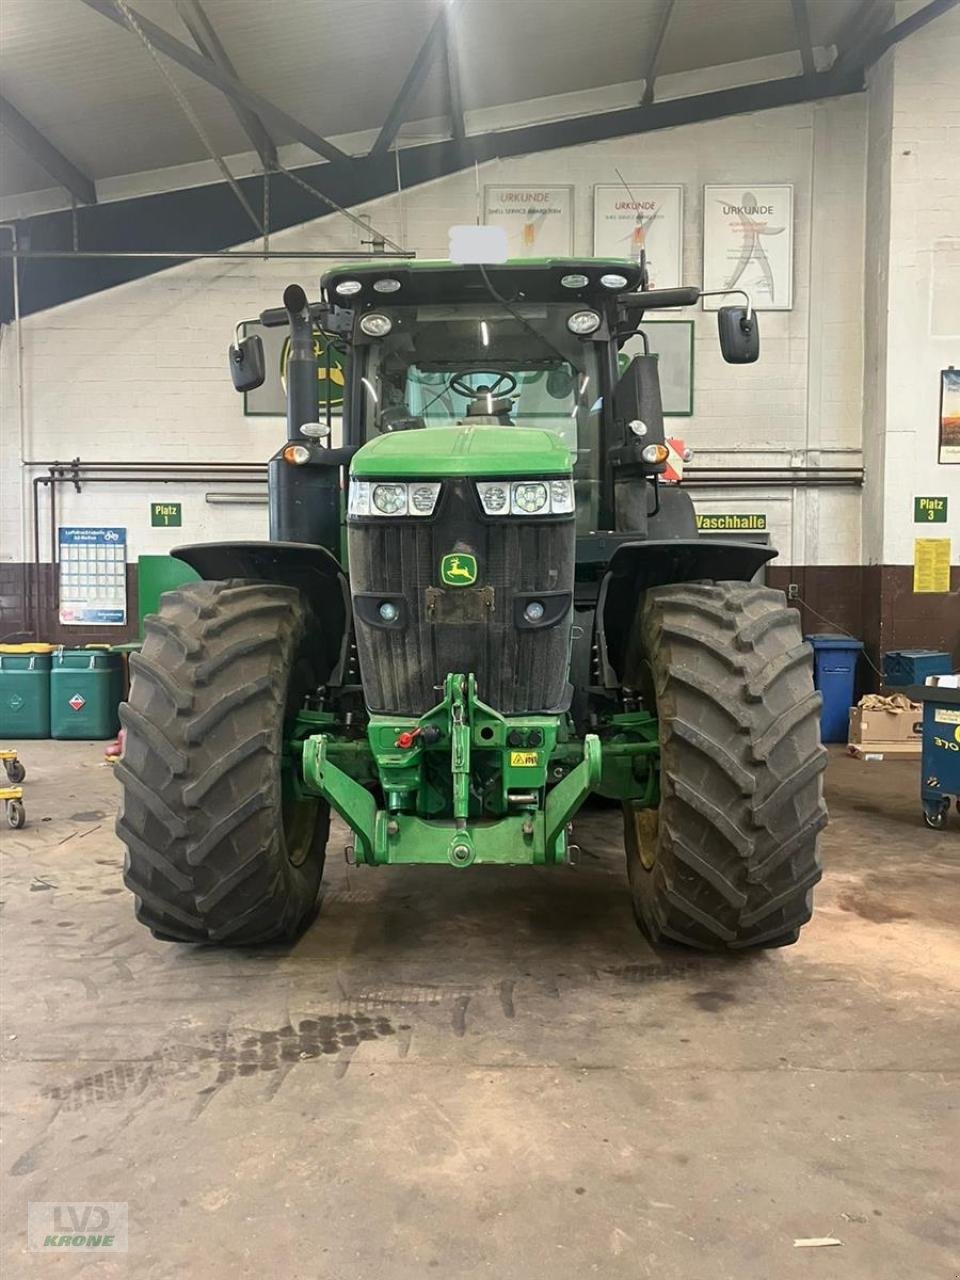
(392, 498)
(526, 497)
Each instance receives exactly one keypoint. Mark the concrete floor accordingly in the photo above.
(488, 1072)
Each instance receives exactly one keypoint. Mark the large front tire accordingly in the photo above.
(219, 846)
(730, 859)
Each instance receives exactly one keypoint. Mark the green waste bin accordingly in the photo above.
(86, 686)
(24, 692)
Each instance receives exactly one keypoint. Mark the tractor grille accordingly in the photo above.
(470, 628)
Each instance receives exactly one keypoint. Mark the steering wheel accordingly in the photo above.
(495, 389)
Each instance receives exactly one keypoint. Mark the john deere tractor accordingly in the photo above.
(480, 607)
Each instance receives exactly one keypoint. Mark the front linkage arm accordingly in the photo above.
(536, 834)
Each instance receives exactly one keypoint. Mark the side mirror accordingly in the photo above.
(739, 335)
(247, 368)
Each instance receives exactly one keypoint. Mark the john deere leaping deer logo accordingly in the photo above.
(458, 570)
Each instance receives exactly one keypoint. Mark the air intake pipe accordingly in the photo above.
(304, 489)
(303, 391)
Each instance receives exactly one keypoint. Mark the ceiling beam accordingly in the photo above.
(207, 217)
(858, 21)
(454, 88)
(656, 49)
(207, 41)
(869, 18)
(801, 21)
(669, 114)
(40, 149)
(209, 72)
(872, 48)
(412, 85)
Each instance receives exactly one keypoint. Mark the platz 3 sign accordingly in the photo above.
(930, 510)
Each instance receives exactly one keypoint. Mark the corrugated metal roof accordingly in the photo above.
(91, 88)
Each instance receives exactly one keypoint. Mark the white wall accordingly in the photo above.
(913, 283)
(139, 372)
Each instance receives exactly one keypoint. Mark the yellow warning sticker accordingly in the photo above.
(524, 759)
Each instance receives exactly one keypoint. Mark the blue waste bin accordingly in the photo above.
(834, 674)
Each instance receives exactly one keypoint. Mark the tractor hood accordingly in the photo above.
(463, 451)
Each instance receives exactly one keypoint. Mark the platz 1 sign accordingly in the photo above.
(166, 514)
(930, 511)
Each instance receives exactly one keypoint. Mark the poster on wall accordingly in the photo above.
(270, 399)
(950, 415)
(671, 341)
(748, 244)
(651, 218)
(538, 220)
(93, 576)
(931, 566)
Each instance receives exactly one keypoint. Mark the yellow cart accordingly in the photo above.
(12, 795)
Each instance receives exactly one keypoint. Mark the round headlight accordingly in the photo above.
(386, 286)
(390, 499)
(347, 288)
(298, 454)
(655, 454)
(574, 281)
(388, 611)
(638, 428)
(534, 611)
(493, 497)
(613, 281)
(530, 496)
(584, 322)
(376, 325)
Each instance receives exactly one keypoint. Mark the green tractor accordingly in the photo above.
(479, 609)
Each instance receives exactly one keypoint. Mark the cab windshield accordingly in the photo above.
(478, 365)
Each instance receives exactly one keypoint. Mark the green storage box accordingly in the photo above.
(24, 694)
(86, 686)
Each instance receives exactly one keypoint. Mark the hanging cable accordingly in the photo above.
(266, 212)
(188, 111)
(364, 226)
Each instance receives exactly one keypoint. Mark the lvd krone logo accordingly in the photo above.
(79, 1226)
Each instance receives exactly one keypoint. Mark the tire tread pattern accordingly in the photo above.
(741, 767)
(201, 814)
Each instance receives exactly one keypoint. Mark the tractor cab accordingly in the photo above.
(522, 345)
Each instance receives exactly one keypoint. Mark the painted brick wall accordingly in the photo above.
(139, 371)
(919, 113)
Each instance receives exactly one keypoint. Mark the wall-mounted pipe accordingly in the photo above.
(224, 498)
(135, 465)
(21, 418)
(338, 255)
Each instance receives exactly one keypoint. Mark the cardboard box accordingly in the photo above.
(885, 726)
(944, 682)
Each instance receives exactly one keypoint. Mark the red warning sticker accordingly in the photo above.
(78, 702)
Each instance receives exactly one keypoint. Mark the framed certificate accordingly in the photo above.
(538, 220)
(748, 244)
(641, 218)
(949, 415)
